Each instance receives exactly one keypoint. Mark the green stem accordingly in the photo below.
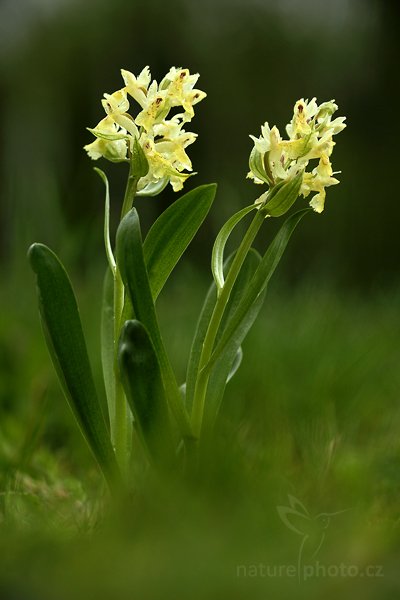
(130, 192)
(122, 429)
(215, 321)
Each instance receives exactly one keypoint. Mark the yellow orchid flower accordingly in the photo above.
(116, 103)
(179, 84)
(111, 142)
(164, 141)
(317, 181)
(274, 160)
(162, 165)
(154, 108)
(137, 86)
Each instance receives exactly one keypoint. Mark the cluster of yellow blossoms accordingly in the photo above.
(274, 160)
(162, 140)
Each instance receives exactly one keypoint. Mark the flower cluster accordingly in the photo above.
(163, 140)
(274, 160)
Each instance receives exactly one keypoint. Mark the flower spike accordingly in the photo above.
(275, 161)
(162, 139)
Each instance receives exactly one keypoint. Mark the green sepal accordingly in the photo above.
(110, 137)
(279, 202)
(142, 381)
(153, 189)
(66, 343)
(139, 162)
(173, 231)
(257, 166)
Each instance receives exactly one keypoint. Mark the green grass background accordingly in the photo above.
(313, 412)
(314, 409)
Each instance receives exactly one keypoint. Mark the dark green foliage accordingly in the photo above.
(63, 331)
(145, 393)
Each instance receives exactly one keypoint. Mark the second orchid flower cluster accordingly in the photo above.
(274, 160)
(162, 139)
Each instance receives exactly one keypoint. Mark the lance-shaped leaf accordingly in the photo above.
(107, 243)
(142, 381)
(130, 261)
(173, 231)
(259, 282)
(107, 343)
(66, 343)
(217, 257)
(230, 358)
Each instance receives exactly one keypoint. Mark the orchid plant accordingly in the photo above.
(144, 400)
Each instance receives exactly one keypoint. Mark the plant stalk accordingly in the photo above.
(121, 436)
(215, 321)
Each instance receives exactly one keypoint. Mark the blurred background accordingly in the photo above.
(321, 368)
(256, 58)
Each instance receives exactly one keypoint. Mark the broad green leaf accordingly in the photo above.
(173, 231)
(130, 261)
(141, 377)
(258, 282)
(107, 343)
(66, 343)
(217, 258)
(230, 358)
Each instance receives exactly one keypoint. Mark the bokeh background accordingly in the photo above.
(314, 410)
(255, 57)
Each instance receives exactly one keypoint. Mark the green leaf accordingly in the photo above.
(107, 343)
(107, 243)
(229, 361)
(153, 189)
(130, 261)
(257, 166)
(142, 381)
(258, 282)
(173, 231)
(237, 361)
(282, 199)
(217, 258)
(111, 137)
(66, 343)
(139, 163)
